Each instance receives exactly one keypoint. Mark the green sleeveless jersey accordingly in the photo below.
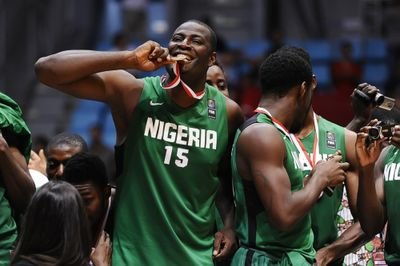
(165, 210)
(8, 230)
(392, 200)
(252, 225)
(324, 212)
(11, 124)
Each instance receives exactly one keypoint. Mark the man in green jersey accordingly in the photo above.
(273, 204)
(175, 133)
(16, 184)
(322, 138)
(378, 195)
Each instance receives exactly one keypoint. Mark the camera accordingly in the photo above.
(378, 99)
(380, 131)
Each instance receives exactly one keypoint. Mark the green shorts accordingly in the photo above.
(253, 257)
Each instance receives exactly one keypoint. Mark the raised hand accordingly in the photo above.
(101, 254)
(150, 56)
(38, 162)
(367, 151)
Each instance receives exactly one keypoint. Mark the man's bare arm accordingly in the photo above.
(15, 174)
(370, 205)
(261, 155)
(349, 241)
(99, 76)
(224, 199)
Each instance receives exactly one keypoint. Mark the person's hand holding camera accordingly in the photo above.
(363, 101)
(367, 148)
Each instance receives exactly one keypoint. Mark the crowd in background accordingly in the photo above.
(85, 166)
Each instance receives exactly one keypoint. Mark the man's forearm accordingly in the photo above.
(225, 207)
(349, 241)
(16, 178)
(357, 123)
(72, 65)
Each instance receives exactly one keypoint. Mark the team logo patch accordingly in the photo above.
(330, 140)
(212, 111)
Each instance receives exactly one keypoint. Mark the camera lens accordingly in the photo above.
(379, 98)
(374, 133)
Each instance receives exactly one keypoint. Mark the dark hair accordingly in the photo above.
(70, 139)
(85, 166)
(218, 64)
(282, 70)
(213, 36)
(298, 51)
(56, 228)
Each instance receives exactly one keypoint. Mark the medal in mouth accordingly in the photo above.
(182, 58)
(177, 80)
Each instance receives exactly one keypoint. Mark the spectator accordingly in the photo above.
(98, 147)
(135, 22)
(87, 173)
(63, 237)
(346, 72)
(216, 77)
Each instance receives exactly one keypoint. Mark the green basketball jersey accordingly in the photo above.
(11, 124)
(324, 212)
(165, 210)
(8, 230)
(392, 200)
(252, 225)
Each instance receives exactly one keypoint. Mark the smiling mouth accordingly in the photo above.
(182, 58)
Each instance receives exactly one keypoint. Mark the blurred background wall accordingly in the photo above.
(247, 29)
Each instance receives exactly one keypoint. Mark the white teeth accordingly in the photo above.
(182, 57)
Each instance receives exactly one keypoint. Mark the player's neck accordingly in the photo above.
(181, 98)
(308, 126)
(195, 82)
(280, 109)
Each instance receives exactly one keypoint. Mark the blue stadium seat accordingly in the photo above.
(254, 49)
(319, 50)
(235, 45)
(109, 132)
(376, 74)
(323, 74)
(375, 49)
(86, 114)
(104, 46)
(295, 42)
(89, 106)
(81, 122)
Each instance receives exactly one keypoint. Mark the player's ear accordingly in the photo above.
(212, 59)
(314, 82)
(303, 88)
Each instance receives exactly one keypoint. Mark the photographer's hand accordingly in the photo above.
(367, 152)
(362, 109)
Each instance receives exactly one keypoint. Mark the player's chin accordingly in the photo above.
(187, 65)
